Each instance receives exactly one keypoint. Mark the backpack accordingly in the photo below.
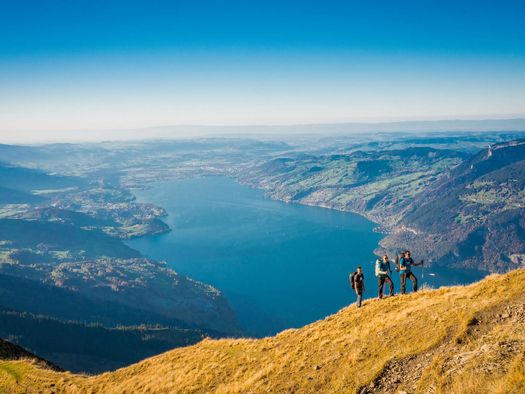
(352, 279)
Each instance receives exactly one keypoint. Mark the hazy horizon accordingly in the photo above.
(68, 69)
(265, 130)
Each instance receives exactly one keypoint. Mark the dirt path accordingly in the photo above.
(402, 376)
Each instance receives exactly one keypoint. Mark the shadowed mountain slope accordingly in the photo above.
(474, 216)
(451, 208)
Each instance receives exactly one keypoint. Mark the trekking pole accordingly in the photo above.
(422, 271)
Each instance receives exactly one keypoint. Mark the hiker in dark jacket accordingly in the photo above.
(383, 270)
(358, 284)
(405, 271)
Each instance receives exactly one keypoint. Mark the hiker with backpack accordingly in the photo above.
(404, 266)
(357, 281)
(383, 269)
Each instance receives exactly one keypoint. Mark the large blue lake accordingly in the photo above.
(280, 265)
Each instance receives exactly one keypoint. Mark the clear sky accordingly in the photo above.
(70, 66)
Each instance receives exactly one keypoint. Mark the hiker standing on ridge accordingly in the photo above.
(357, 281)
(382, 273)
(405, 271)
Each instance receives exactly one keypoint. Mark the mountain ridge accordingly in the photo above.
(455, 339)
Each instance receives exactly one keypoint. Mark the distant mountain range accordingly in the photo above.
(270, 131)
(454, 125)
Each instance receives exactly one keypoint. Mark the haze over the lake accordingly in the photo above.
(73, 70)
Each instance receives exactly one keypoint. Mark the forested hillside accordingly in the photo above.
(452, 208)
(474, 216)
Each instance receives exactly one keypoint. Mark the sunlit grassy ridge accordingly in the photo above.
(458, 339)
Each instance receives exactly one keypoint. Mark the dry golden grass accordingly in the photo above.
(340, 354)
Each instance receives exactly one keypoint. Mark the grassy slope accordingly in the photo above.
(458, 339)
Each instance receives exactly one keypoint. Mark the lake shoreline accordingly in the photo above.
(232, 235)
(272, 232)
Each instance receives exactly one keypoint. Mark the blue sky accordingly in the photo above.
(82, 65)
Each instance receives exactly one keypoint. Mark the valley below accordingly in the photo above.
(203, 255)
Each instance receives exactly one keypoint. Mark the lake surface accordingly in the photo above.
(280, 265)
